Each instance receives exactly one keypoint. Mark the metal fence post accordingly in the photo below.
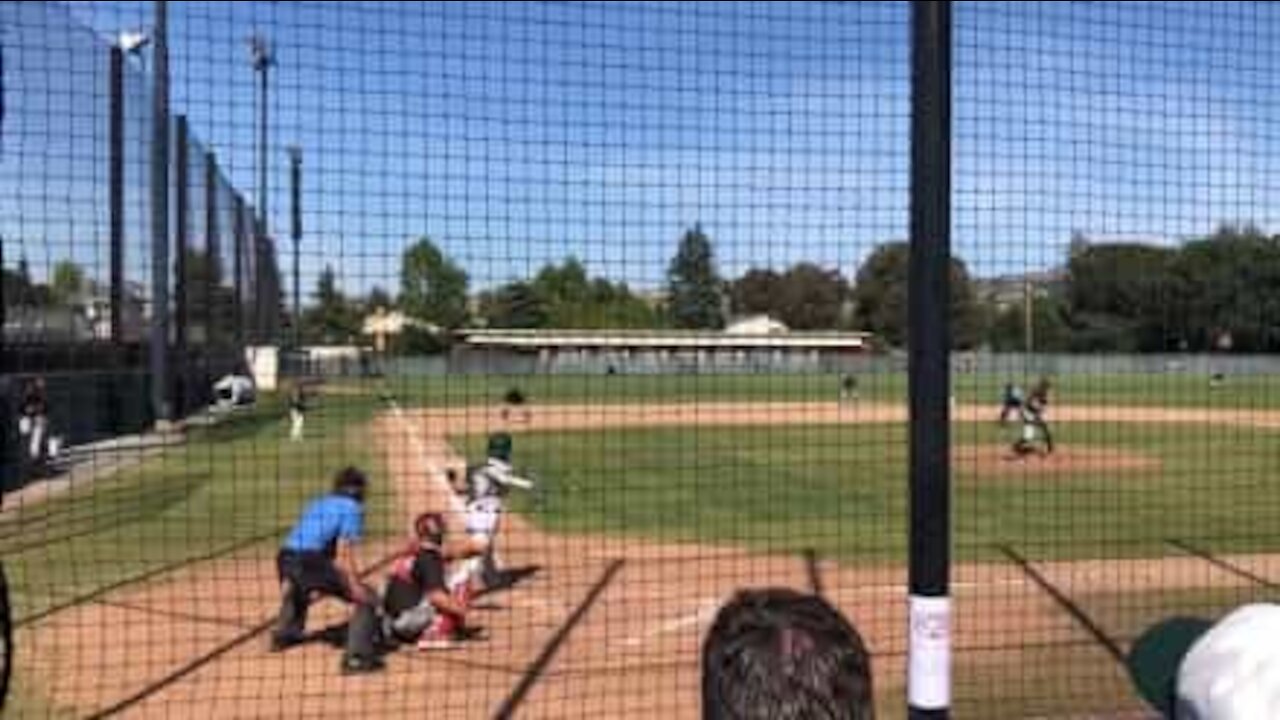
(213, 245)
(238, 267)
(295, 211)
(115, 191)
(929, 658)
(159, 345)
(182, 243)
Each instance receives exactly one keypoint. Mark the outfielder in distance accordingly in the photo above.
(483, 488)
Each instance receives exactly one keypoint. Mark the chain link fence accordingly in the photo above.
(622, 293)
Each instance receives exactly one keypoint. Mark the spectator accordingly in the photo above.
(780, 654)
(1191, 669)
(33, 423)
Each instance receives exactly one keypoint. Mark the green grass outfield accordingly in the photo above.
(838, 490)
(842, 490)
(235, 485)
(1258, 391)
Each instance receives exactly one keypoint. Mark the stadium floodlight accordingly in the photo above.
(133, 41)
(262, 57)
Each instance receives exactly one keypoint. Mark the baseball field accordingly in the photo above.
(142, 590)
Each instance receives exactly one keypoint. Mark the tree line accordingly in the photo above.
(696, 296)
(208, 292)
(1216, 293)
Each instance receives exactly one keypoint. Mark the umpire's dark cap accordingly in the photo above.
(350, 481)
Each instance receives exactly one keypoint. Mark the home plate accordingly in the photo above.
(702, 616)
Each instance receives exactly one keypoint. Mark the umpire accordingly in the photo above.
(319, 557)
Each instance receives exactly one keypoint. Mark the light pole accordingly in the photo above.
(133, 42)
(262, 58)
(295, 211)
(128, 43)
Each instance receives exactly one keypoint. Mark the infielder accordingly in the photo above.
(416, 601)
(848, 388)
(513, 399)
(1034, 425)
(1011, 402)
(297, 412)
(483, 487)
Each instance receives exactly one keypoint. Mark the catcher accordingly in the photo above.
(483, 488)
(416, 604)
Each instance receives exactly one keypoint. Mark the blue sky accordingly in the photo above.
(514, 134)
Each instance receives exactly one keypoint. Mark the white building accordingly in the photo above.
(754, 344)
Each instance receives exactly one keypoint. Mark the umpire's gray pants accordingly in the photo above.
(411, 623)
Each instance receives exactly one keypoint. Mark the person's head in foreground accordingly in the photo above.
(1191, 669)
(780, 654)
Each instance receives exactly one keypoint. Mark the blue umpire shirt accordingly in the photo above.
(325, 521)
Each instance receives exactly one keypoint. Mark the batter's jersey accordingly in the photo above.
(482, 515)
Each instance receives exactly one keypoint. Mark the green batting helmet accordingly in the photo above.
(499, 446)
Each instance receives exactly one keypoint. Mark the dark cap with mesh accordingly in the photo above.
(499, 446)
(350, 481)
(429, 527)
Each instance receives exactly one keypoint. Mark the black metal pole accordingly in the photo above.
(3, 319)
(238, 232)
(213, 248)
(182, 244)
(295, 194)
(115, 191)
(159, 345)
(258, 334)
(263, 70)
(929, 336)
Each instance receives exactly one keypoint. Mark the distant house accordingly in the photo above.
(1006, 291)
(382, 325)
(84, 318)
(35, 325)
(756, 325)
(655, 299)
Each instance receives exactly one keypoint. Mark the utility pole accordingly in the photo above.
(263, 58)
(295, 195)
(1028, 326)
